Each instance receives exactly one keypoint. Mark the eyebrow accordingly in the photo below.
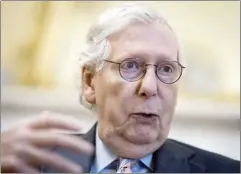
(162, 57)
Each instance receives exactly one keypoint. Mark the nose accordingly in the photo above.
(148, 86)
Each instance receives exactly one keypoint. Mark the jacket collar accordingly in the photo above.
(90, 137)
(173, 157)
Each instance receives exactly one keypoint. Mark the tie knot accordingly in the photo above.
(126, 165)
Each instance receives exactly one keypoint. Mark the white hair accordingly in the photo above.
(111, 21)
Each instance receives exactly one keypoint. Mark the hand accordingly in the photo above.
(22, 147)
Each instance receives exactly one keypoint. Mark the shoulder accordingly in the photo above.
(212, 162)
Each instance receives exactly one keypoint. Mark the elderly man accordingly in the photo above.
(130, 72)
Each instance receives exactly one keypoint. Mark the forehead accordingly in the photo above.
(148, 41)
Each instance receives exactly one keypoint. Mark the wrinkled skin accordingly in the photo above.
(117, 100)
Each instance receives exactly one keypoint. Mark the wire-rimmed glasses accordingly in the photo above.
(133, 69)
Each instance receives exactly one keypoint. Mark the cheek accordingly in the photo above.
(120, 96)
(110, 99)
(106, 88)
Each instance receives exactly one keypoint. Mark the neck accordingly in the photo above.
(123, 148)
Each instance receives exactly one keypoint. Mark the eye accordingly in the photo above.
(165, 70)
(130, 65)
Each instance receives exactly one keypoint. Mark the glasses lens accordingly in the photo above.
(169, 72)
(131, 69)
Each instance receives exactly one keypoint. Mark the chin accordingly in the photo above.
(142, 134)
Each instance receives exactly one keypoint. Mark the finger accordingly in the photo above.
(46, 139)
(56, 121)
(14, 164)
(42, 157)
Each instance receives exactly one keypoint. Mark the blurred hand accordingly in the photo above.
(22, 147)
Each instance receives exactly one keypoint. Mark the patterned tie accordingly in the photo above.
(126, 165)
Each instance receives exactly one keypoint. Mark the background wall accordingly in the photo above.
(41, 42)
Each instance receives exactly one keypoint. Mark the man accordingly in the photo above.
(130, 74)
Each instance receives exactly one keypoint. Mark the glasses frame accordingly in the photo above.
(156, 65)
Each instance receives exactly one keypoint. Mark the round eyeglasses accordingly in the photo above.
(133, 69)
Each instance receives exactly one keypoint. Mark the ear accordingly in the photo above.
(88, 87)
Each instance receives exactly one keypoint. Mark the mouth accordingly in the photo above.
(141, 116)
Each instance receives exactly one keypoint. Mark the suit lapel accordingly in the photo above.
(173, 158)
(86, 161)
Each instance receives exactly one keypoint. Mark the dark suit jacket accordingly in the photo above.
(171, 157)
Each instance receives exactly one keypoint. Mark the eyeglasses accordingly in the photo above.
(133, 69)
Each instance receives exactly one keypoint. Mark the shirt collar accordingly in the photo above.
(147, 161)
(104, 156)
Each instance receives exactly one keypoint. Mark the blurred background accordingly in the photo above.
(41, 42)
